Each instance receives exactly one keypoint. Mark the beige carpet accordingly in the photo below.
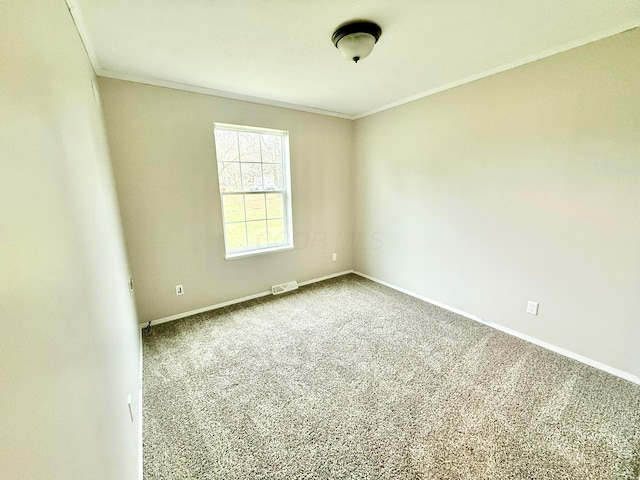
(350, 379)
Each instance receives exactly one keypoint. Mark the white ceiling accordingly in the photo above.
(281, 50)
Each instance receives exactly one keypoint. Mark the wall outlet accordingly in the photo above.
(179, 290)
(334, 257)
(532, 307)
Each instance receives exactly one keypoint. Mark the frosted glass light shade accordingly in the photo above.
(356, 40)
(356, 46)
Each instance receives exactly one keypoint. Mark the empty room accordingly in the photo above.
(282, 239)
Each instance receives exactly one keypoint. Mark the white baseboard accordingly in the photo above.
(177, 316)
(326, 277)
(515, 333)
(548, 346)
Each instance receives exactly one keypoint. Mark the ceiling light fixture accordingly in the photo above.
(356, 40)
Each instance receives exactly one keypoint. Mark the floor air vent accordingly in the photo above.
(284, 287)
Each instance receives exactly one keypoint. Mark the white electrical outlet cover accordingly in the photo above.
(532, 307)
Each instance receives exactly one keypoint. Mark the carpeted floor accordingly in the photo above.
(350, 379)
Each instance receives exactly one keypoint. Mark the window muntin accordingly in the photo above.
(255, 189)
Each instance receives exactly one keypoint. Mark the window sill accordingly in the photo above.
(253, 253)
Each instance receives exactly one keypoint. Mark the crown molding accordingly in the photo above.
(83, 32)
(217, 93)
(80, 24)
(508, 66)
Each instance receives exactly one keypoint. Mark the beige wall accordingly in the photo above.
(69, 344)
(163, 153)
(521, 186)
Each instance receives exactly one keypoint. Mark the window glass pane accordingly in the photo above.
(233, 208)
(251, 177)
(276, 231)
(274, 205)
(271, 148)
(253, 164)
(255, 206)
(257, 233)
(227, 146)
(235, 235)
(272, 174)
(229, 177)
(249, 146)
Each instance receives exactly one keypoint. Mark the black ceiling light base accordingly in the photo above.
(356, 27)
(355, 30)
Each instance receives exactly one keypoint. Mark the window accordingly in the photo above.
(255, 189)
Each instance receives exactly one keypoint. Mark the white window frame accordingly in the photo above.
(287, 243)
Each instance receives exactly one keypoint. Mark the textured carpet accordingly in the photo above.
(350, 379)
